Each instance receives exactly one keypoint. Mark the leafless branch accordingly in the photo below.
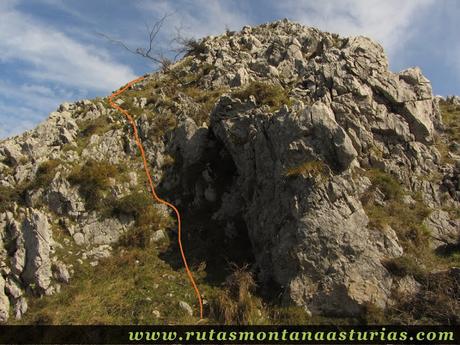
(148, 52)
(179, 44)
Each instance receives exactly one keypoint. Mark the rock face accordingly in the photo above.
(36, 234)
(4, 302)
(300, 116)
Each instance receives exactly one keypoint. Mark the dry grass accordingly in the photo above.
(123, 289)
(235, 304)
(437, 302)
(313, 168)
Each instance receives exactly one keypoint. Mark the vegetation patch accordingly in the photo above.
(403, 266)
(205, 99)
(390, 187)
(406, 218)
(314, 168)
(235, 304)
(8, 196)
(437, 302)
(46, 172)
(273, 95)
(93, 179)
(451, 118)
(147, 219)
(131, 287)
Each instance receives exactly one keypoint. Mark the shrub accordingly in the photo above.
(94, 126)
(93, 178)
(403, 266)
(46, 172)
(132, 205)
(387, 184)
(136, 237)
(147, 218)
(8, 196)
(272, 95)
(163, 122)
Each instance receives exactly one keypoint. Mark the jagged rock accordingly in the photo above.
(454, 100)
(64, 199)
(158, 235)
(18, 260)
(97, 253)
(100, 232)
(296, 184)
(340, 148)
(186, 307)
(191, 141)
(13, 288)
(20, 308)
(61, 272)
(4, 302)
(37, 239)
(12, 153)
(444, 230)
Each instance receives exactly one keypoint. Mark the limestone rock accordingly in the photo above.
(4, 302)
(289, 171)
(186, 307)
(158, 235)
(37, 239)
(61, 273)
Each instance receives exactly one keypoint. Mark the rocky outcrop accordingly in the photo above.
(271, 131)
(37, 238)
(4, 302)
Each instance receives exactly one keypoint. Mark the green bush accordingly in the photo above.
(387, 184)
(93, 179)
(147, 218)
(272, 95)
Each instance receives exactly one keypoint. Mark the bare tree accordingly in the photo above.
(182, 44)
(149, 52)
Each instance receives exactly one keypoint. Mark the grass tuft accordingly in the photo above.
(93, 179)
(265, 93)
(235, 304)
(311, 168)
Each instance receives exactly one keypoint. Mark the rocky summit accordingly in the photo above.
(292, 152)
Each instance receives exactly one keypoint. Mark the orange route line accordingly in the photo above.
(152, 187)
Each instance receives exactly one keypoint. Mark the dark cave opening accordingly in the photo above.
(204, 238)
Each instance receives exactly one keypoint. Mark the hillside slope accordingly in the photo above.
(292, 152)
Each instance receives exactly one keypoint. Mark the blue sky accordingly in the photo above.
(50, 51)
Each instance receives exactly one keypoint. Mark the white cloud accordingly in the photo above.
(198, 18)
(389, 22)
(23, 106)
(16, 119)
(53, 56)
